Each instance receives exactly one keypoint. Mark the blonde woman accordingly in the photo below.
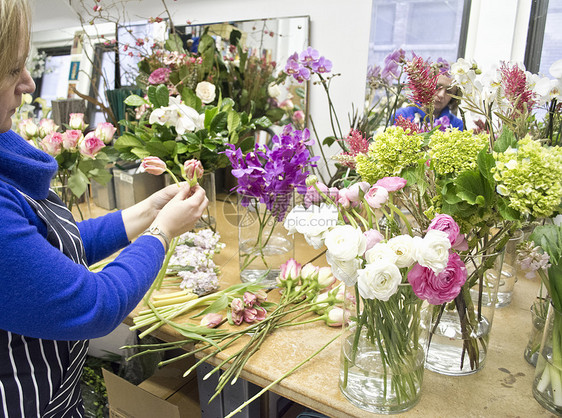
(51, 304)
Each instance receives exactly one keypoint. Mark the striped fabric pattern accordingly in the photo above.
(42, 377)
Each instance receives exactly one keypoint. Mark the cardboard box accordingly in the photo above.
(165, 394)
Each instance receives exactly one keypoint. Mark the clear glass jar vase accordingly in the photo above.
(383, 352)
(538, 311)
(263, 242)
(547, 385)
(460, 330)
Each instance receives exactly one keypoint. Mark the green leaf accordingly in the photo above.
(140, 153)
(264, 122)
(162, 95)
(190, 99)
(151, 93)
(233, 121)
(218, 305)
(227, 104)
(78, 182)
(174, 43)
(219, 122)
(101, 176)
(209, 115)
(486, 162)
(275, 114)
(134, 100)
(507, 212)
(505, 140)
(329, 140)
(473, 188)
(126, 141)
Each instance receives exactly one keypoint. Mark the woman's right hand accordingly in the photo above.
(182, 212)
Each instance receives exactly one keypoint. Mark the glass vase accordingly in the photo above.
(509, 270)
(383, 351)
(539, 311)
(547, 385)
(209, 218)
(264, 244)
(460, 330)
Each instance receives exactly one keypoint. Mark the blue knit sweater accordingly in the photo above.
(410, 113)
(43, 293)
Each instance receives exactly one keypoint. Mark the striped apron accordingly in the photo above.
(41, 378)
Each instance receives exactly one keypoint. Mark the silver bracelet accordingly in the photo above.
(155, 230)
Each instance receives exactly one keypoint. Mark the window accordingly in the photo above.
(54, 82)
(430, 28)
(543, 37)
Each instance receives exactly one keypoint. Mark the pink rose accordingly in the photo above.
(46, 127)
(52, 144)
(336, 316)
(211, 320)
(28, 129)
(441, 288)
(376, 196)
(249, 299)
(159, 76)
(447, 224)
(153, 165)
(71, 138)
(392, 184)
(298, 116)
(373, 237)
(76, 121)
(105, 131)
(90, 145)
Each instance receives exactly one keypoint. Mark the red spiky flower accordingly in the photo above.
(422, 81)
(516, 89)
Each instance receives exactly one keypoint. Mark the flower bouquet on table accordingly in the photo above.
(389, 269)
(267, 178)
(487, 182)
(80, 156)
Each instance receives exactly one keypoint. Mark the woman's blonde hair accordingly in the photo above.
(15, 29)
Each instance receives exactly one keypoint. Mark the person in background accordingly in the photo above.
(444, 104)
(51, 303)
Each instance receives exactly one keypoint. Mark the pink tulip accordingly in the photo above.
(193, 170)
(237, 305)
(261, 295)
(261, 313)
(211, 320)
(105, 131)
(90, 145)
(153, 165)
(250, 315)
(71, 138)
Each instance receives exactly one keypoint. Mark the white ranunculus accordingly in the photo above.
(380, 252)
(315, 220)
(403, 247)
(345, 271)
(205, 91)
(379, 280)
(292, 219)
(315, 241)
(432, 251)
(345, 242)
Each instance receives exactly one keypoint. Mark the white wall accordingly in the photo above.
(340, 31)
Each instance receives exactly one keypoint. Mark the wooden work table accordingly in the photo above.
(502, 389)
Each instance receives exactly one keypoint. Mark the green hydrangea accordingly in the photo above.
(389, 153)
(454, 151)
(530, 176)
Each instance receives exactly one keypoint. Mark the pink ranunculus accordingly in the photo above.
(355, 191)
(373, 237)
(211, 320)
(153, 165)
(440, 288)
(52, 144)
(391, 184)
(76, 121)
(90, 145)
(290, 270)
(250, 299)
(447, 224)
(313, 195)
(159, 76)
(105, 131)
(193, 170)
(376, 196)
(71, 138)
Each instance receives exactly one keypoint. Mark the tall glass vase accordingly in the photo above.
(383, 351)
(460, 330)
(547, 386)
(264, 244)
(209, 218)
(538, 310)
